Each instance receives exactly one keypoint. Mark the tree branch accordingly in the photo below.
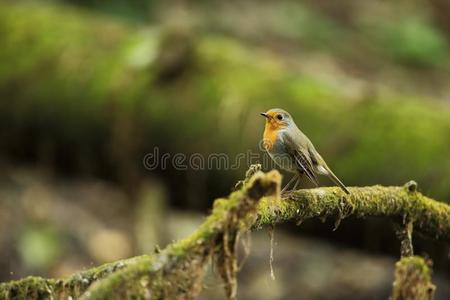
(428, 216)
(178, 270)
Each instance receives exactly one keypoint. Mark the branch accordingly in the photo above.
(178, 270)
(430, 217)
(73, 286)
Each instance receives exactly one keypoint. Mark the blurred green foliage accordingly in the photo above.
(39, 246)
(87, 94)
(134, 10)
(413, 42)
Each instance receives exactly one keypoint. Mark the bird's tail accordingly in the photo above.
(337, 181)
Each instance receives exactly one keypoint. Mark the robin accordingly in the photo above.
(292, 150)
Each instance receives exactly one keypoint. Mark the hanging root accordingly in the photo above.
(404, 234)
(177, 272)
(226, 262)
(271, 234)
(238, 220)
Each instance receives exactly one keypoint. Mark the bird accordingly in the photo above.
(292, 150)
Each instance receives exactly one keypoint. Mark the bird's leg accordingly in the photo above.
(289, 183)
(296, 183)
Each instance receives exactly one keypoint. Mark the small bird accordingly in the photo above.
(292, 150)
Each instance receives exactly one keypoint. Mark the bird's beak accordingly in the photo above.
(264, 115)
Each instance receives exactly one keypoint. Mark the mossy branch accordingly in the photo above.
(175, 272)
(430, 217)
(178, 270)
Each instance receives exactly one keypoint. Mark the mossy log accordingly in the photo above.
(178, 270)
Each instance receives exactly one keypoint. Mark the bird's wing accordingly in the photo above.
(320, 162)
(301, 158)
(305, 165)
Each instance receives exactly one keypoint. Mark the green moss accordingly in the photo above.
(429, 216)
(178, 270)
(417, 263)
(28, 288)
(412, 280)
(126, 284)
(74, 286)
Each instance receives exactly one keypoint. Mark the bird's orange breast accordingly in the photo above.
(270, 136)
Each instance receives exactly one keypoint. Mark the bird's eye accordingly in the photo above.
(280, 117)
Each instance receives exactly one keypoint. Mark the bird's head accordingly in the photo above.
(277, 118)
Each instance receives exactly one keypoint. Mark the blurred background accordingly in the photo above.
(88, 88)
